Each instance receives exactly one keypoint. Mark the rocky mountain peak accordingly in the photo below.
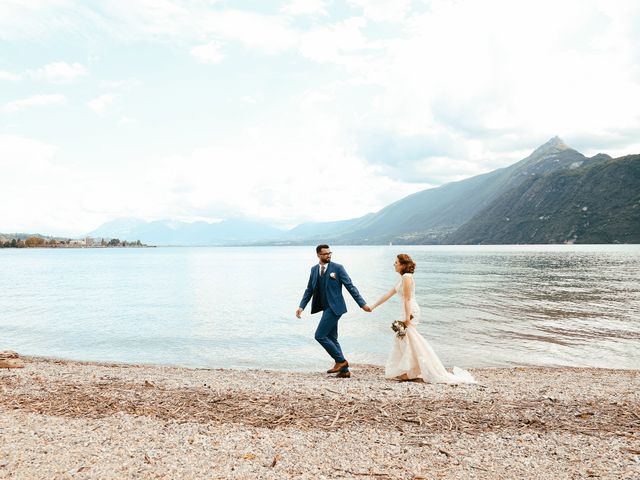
(550, 156)
(556, 142)
(552, 146)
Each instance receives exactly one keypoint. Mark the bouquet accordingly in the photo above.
(400, 327)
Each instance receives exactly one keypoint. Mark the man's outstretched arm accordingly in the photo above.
(306, 296)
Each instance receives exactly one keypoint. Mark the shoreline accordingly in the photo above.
(81, 419)
(115, 363)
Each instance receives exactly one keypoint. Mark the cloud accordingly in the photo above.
(12, 77)
(264, 174)
(305, 7)
(208, 53)
(44, 192)
(384, 10)
(434, 158)
(60, 72)
(459, 74)
(340, 42)
(35, 19)
(100, 103)
(35, 101)
(265, 33)
(18, 149)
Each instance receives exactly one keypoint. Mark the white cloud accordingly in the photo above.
(460, 68)
(341, 42)
(33, 19)
(35, 101)
(12, 77)
(20, 150)
(153, 18)
(44, 193)
(100, 103)
(60, 72)
(208, 53)
(306, 7)
(266, 33)
(384, 10)
(238, 177)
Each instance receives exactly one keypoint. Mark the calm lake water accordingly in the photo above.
(483, 306)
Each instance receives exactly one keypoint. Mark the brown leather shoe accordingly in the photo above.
(346, 374)
(338, 366)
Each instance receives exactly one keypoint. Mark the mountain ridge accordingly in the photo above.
(597, 203)
(432, 216)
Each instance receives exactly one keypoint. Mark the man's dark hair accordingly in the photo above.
(320, 247)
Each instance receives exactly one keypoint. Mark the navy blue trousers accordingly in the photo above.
(327, 335)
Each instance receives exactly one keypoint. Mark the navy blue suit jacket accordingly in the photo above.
(337, 277)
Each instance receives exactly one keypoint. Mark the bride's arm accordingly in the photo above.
(384, 298)
(406, 294)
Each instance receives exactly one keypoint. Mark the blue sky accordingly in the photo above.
(294, 111)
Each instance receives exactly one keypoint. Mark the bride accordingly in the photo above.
(412, 357)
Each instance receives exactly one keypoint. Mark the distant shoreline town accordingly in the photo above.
(38, 241)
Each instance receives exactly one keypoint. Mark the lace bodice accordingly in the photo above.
(415, 308)
(399, 289)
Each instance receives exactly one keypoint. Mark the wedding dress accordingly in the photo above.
(413, 356)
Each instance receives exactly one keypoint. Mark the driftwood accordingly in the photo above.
(99, 399)
(9, 359)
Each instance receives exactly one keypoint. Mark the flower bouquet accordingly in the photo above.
(400, 328)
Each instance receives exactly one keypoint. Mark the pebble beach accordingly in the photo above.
(69, 419)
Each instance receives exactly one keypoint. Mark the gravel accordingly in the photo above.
(65, 419)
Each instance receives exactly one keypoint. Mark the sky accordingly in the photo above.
(293, 111)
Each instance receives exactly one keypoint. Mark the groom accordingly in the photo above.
(325, 286)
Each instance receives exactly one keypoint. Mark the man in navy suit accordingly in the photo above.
(325, 287)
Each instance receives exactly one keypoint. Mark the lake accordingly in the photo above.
(482, 306)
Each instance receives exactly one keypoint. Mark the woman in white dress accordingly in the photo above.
(412, 357)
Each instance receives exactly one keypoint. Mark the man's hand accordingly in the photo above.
(367, 308)
(299, 312)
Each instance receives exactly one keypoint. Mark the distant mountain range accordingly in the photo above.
(554, 195)
(167, 232)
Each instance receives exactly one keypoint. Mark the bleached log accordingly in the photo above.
(9, 359)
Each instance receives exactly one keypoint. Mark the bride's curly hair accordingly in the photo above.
(407, 264)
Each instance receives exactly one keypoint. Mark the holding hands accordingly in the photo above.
(366, 308)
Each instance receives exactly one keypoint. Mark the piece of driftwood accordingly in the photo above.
(9, 359)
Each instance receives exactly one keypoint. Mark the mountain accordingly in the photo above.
(319, 230)
(166, 232)
(430, 216)
(553, 176)
(598, 203)
(122, 228)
